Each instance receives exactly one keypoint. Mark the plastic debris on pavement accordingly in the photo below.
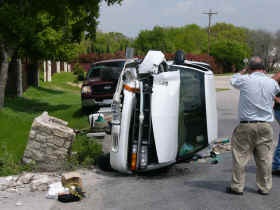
(19, 203)
(219, 146)
(55, 189)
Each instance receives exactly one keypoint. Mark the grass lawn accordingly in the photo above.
(58, 98)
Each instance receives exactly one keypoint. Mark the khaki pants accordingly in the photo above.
(252, 139)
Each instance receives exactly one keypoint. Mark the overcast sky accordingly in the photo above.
(136, 15)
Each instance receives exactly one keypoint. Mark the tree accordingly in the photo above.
(190, 38)
(44, 29)
(275, 53)
(226, 31)
(229, 53)
(156, 39)
(111, 42)
(262, 43)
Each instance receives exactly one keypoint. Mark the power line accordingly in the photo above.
(210, 14)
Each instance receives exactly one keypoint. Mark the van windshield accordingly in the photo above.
(105, 70)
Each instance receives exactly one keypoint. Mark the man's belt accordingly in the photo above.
(253, 121)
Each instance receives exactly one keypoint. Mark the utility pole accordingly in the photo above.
(210, 14)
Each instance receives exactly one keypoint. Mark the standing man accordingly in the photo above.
(254, 134)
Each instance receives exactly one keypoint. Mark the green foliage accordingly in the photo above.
(156, 39)
(109, 43)
(229, 43)
(48, 29)
(190, 38)
(224, 31)
(229, 53)
(79, 71)
(9, 165)
(87, 150)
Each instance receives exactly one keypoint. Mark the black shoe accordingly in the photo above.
(262, 193)
(231, 191)
(276, 172)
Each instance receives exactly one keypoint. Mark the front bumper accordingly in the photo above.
(92, 102)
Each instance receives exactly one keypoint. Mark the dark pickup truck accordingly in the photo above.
(100, 84)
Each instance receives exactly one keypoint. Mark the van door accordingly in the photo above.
(192, 126)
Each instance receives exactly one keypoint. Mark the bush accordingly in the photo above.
(87, 151)
(79, 71)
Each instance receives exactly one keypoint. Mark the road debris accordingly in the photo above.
(219, 146)
(222, 145)
(49, 144)
(19, 203)
(55, 189)
(73, 182)
(32, 181)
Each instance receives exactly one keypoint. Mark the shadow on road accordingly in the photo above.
(218, 186)
(163, 173)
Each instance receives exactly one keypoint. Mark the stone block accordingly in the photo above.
(49, 143)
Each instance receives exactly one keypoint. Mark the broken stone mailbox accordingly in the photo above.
(49, 144)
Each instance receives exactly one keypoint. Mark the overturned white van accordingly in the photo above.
(162, 113)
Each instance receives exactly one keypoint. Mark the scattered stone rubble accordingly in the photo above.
(49, 144)
(32, 181)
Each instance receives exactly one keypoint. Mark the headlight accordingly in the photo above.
(86, 90)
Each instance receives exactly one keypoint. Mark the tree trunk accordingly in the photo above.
(4, 72)
(36, 74)
(33, 74)
(19, 78)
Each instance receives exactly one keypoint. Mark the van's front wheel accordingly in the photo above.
(103, 162)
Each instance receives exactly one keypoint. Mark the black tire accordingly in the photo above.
(103, 162)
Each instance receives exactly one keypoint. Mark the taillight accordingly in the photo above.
(134, 157)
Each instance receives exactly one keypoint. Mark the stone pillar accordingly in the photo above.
(49, 74)
(57, 67)
(45, 71)
(69, 67)
(49, 144)
(65, 66)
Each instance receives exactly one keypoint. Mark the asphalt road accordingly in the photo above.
(190, 186)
